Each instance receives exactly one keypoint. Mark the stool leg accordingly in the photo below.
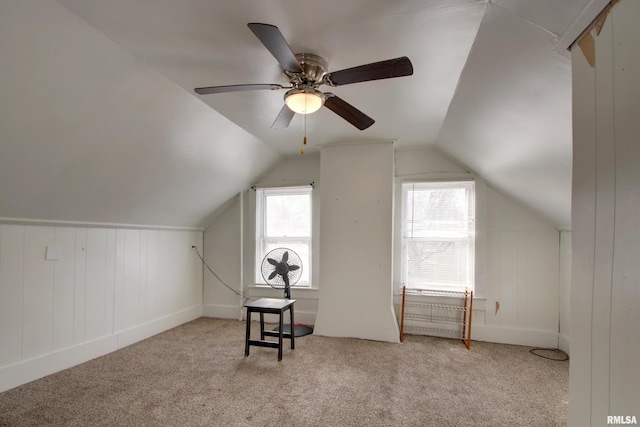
(293, 333)
(280, 335)
(262, 326)
(248, 334)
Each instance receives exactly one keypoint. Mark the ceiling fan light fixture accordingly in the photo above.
(304, 101)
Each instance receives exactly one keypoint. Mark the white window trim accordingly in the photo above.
(261, 225)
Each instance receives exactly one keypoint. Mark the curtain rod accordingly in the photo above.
(254, 187)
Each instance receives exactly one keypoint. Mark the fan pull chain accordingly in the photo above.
(304, 140)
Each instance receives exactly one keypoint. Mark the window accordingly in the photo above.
(283, 218)
(438, 235)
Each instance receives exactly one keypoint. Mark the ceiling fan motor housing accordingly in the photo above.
(314, 68)
(305, 98)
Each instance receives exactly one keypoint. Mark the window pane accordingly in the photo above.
(438, 231)
(288, 215)
(284, 221)
(437, 212)
(435, 264)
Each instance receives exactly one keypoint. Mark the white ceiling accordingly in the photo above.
(205, 43)
(99, 121)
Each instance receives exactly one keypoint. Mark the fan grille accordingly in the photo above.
(272, 267)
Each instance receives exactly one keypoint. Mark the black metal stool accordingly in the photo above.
(272, 306)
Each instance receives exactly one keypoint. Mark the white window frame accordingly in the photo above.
(468, 235)
(264, 241)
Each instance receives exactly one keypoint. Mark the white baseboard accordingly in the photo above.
(29, 370)
(25, 371)
(528, 337)
(140, 332)
(222, 311)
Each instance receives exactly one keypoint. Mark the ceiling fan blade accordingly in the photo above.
(284, 118)
(272, 261)
(293, 267)
(272, 275)
(397, 67)
(237, 88)
(348, 112)
(285, 257)
(274, 41)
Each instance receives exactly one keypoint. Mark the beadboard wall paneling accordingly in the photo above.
(109, 288)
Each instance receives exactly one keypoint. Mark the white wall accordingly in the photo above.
(565, 291)
(605, 288)
(222, 252)
(110, 288)
(518, 259)
(356, 242)
(233, 232)
(523, 282)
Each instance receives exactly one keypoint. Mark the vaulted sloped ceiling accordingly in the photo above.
(510, 118)
(99, 121)
(90, 133)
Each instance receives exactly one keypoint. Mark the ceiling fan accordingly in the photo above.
(306, 72)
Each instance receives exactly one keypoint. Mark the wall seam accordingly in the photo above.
(613, 219)
(84, 307)
(24, 239)
(105, 284)
(115, 279)
(53, 294)
(593, 254)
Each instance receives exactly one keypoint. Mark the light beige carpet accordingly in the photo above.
(197, 375)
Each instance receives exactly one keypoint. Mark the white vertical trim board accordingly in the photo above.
(604, 378)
